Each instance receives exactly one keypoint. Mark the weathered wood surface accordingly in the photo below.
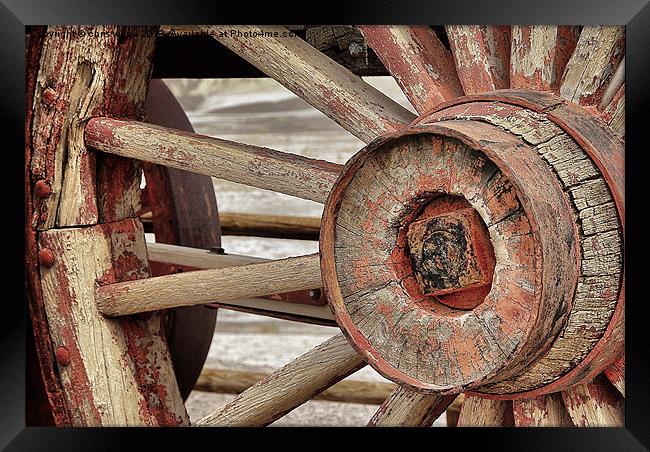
(615, 373)
(77, 80)
(481, 412)
(346, 45)
(418, 61)
(92, 350)
(245, 164)
(206, 286)
(274, 226)
(614, 112)
(599, 233)
(319, 315)
(290, 386)
(358, 107)
(539, 54)
(197, 258)
(453, 410)
(407, 408)
(542, 411)
(349, 391)
(594, 404)
(595, 59)
(482, 55)
(362, 249)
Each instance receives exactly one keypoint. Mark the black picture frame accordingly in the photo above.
(16, 14)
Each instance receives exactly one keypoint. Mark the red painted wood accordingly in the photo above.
(482, 55)
(418, 61)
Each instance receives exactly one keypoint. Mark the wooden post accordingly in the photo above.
(85, 217)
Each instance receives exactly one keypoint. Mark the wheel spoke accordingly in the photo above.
(616, 374)
(358, 107)
(539, 54)
(242, 163)
(594, 404)
(614, 113)
(543, 411)
(592, 66)
(481, 412)
(207, 286)
(418, 61)
(290, 386)
(482, 55)
(407, 408)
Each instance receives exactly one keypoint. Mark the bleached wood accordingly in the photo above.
(407, 408)
(349, 391)
(103, 383)
(418, 61)
(245, 164)
(344, 97)
(592, 66)
(290, 386)
(198, 258)
(539, 54)
(76, 80)
(482, 55)
(615, 373)
(594, 404)
(543, 411)
(481, 412)
(206, 286)
(267, 306)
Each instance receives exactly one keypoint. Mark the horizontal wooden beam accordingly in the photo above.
(207, 286)
(349, 391)
(255, 166)
(272, 226)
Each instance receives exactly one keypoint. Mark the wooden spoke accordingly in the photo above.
(614, 113)
(236, 382)
(480, 412)
(543, 411)
(614, 86)
(197, 258)
(616, 374)
(539, 54)
(246, 164)
(407, 408)
(594, 404)
(595, 59)
(358, 107)
(206, 286)
(290, 386)
(482, 55)
(418, 61)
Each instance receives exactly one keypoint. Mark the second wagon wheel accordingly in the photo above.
(475, 248)
(183, 212)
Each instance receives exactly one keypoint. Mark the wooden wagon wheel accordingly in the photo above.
(475, 248)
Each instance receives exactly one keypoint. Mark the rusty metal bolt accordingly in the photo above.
(46, 257)
(42, 189)
(356, 49)
(62, 356)
(450, 252)
(48, 96)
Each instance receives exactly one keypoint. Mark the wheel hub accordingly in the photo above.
(453, 253)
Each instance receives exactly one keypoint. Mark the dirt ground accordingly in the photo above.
(262, 112)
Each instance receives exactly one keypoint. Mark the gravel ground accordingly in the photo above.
(262, 112)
